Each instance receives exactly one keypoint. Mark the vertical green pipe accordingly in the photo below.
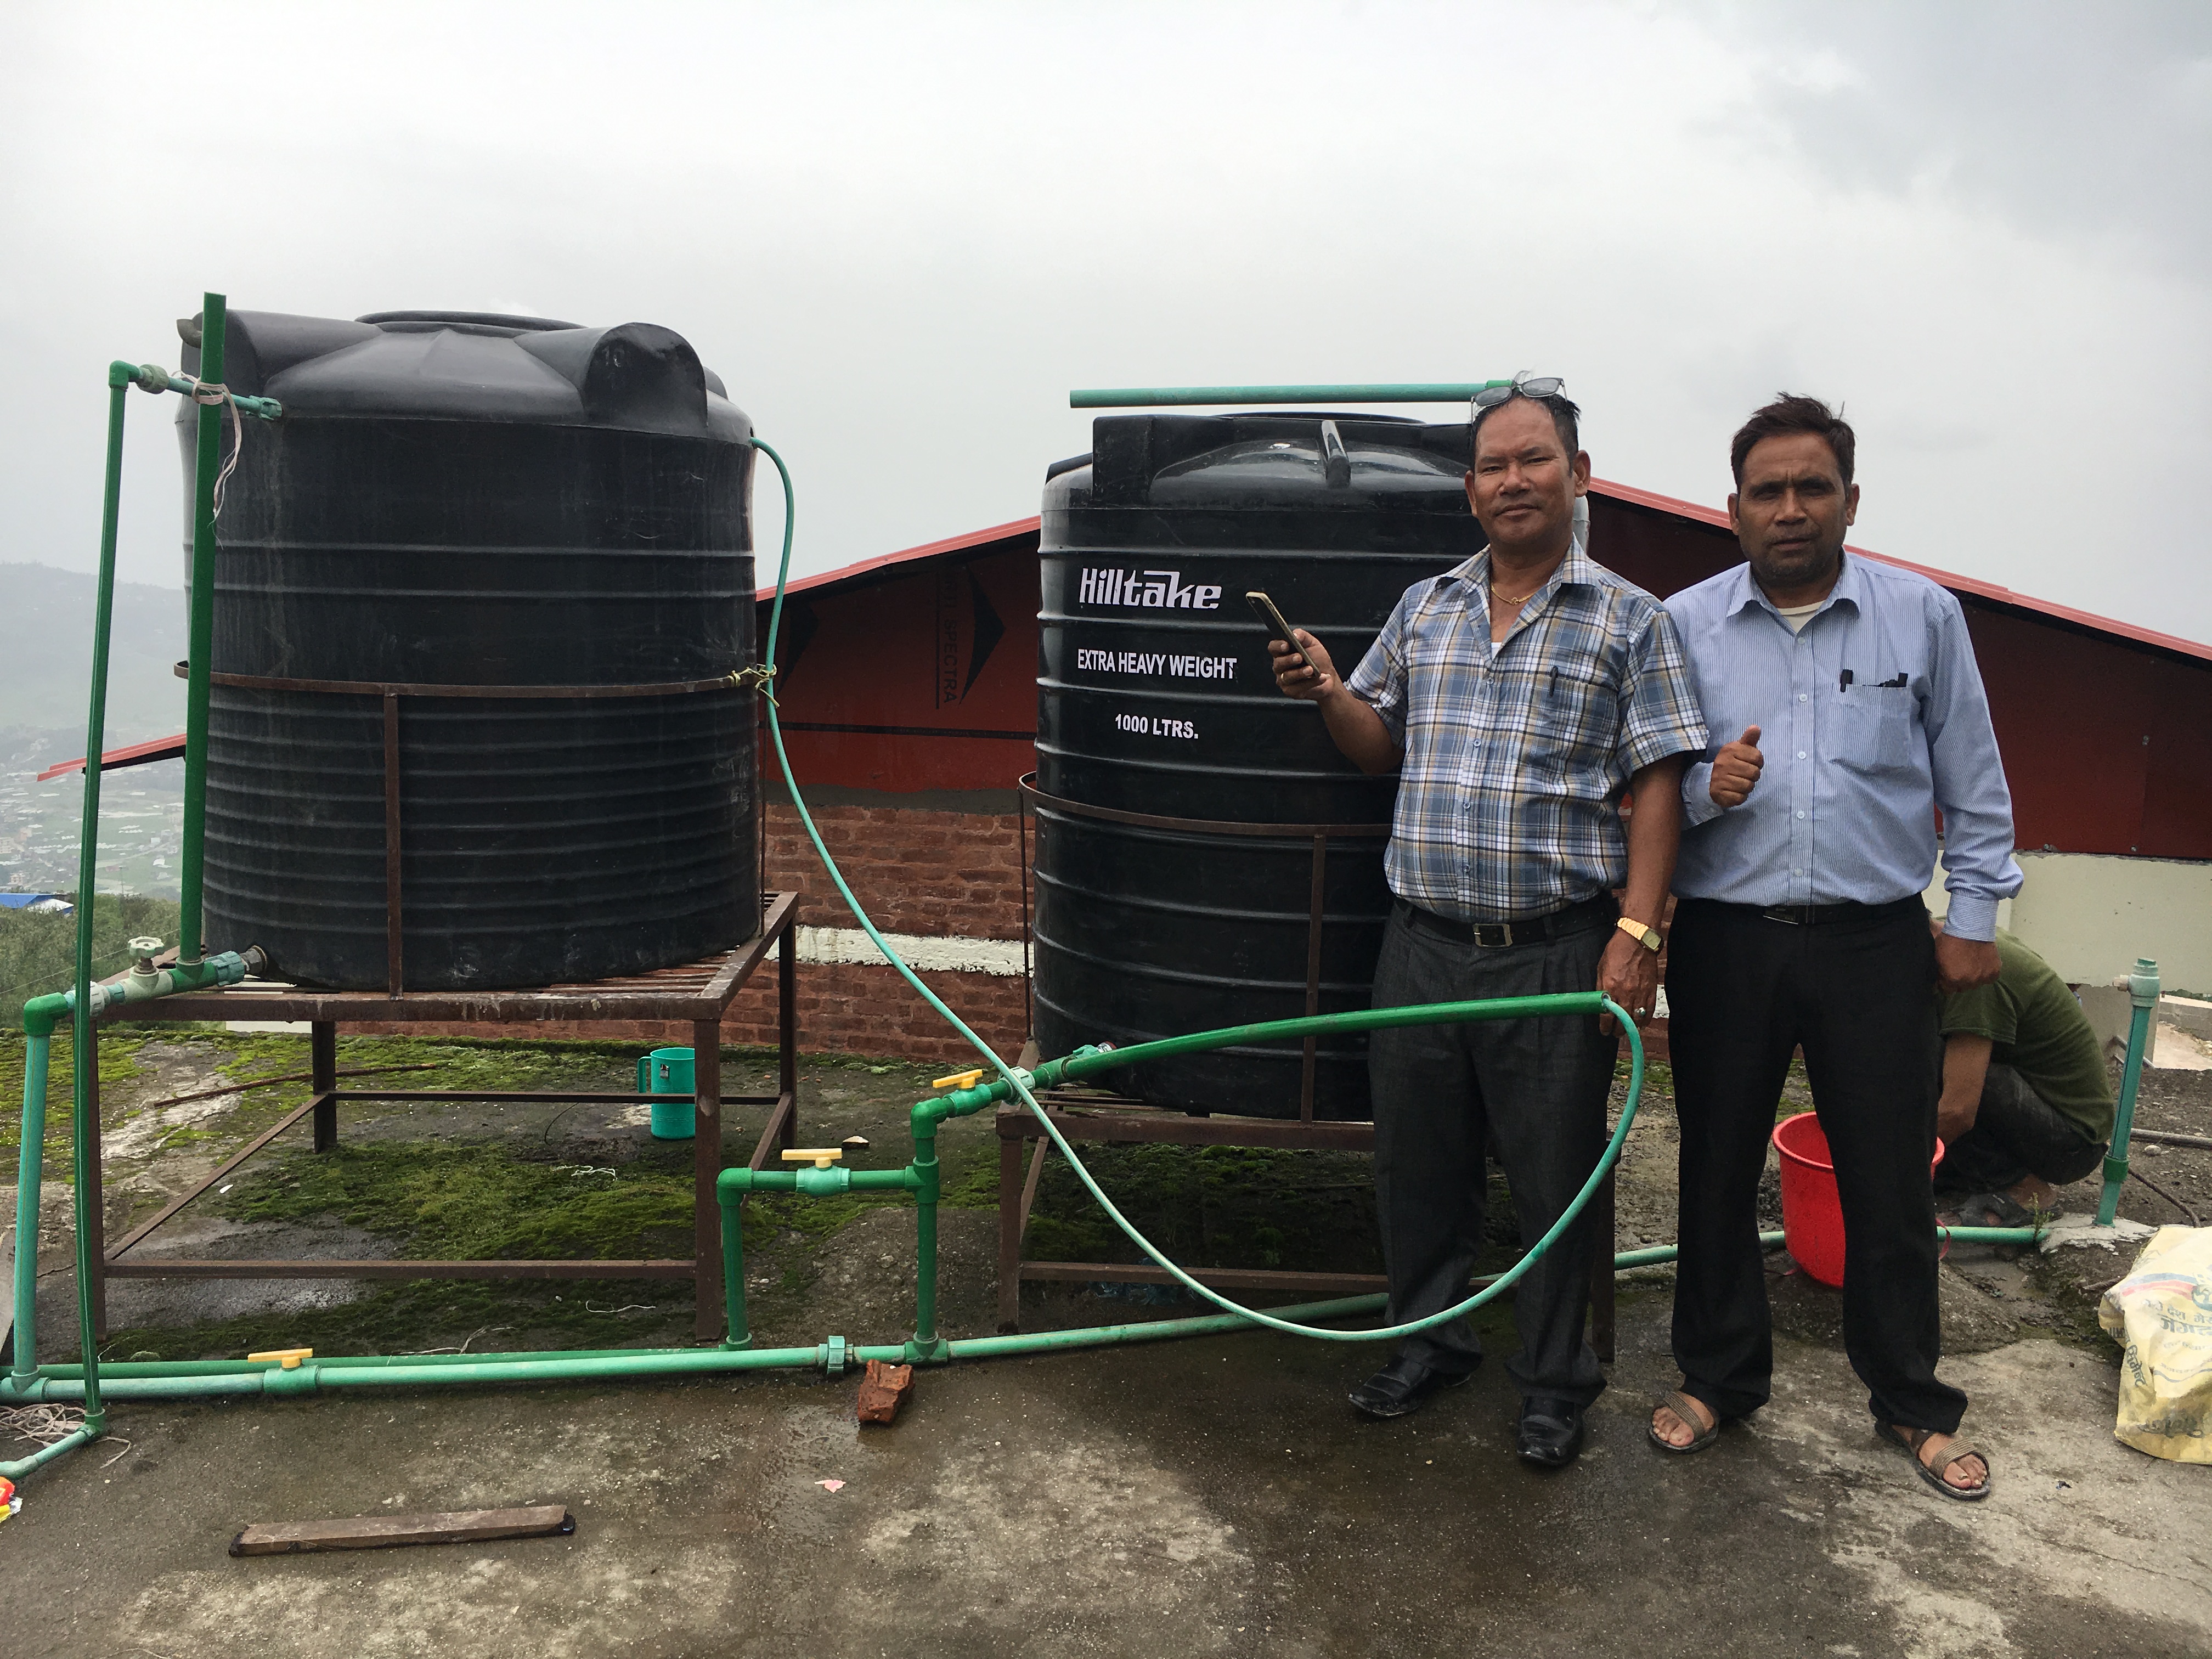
(207, 456)
(84, 1056)
(30, 1173)
(925, 1235)
(2142, 991)
(739, 1334)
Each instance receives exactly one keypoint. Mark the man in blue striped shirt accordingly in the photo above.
(1800, 922)
(1523, 692)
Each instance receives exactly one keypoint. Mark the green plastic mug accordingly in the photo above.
(667, 1072)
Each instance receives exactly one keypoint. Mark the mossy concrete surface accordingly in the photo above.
(1204, 1497)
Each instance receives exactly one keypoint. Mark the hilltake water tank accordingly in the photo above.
(462, 501)
(1156, 702)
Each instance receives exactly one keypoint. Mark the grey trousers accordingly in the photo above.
(1538, 1087)
(2015, 1134)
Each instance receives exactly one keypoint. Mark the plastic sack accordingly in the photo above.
(2161, 1315)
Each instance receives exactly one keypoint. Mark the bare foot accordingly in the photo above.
(1669, 1426)
(1968, 1472)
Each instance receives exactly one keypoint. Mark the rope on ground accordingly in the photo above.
(46, 1426)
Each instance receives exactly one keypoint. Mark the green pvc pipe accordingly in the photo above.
(196, 1379)
(1163, 396)
(16, 1468)
(30, 1173)
(2142, 993)
(208, 462)
(1990, 1234)
(1087, 1062)
(83, 1053)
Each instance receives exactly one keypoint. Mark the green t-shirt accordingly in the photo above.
(2035, 1025)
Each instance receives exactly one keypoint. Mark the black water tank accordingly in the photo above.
(457, 499)
(1156, 698)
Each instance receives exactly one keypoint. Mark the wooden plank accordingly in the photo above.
(384, 1532)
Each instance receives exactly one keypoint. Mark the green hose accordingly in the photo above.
(1018, 1084)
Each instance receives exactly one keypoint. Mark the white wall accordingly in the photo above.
(2091, 915)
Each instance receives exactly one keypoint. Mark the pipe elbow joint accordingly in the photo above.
(42, 1014)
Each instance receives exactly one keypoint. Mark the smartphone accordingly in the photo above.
(1264, 609)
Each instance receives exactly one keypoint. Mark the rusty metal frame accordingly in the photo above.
(1085, 1117)
(699, 994)
(1319, 834)
(1090, 1119)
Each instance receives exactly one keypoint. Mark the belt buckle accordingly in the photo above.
(1792, 915)
(1494, 935)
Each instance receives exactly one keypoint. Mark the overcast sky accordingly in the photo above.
(902, 234)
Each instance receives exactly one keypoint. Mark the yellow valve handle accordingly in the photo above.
(960, 1079)
(820, 1156)
(290, 1359)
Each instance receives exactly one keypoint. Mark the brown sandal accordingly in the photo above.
(1683, 1406)
(1912, 1440)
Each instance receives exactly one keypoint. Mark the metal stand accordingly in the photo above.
(1089, 1119)
(700, 994)
(1085, 1117)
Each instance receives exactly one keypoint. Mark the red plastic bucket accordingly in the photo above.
(1812, 1214)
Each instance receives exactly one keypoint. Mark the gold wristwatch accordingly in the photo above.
(1645, 936)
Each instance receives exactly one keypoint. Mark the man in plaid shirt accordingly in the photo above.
(1517, 695)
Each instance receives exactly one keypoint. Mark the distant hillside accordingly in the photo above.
(46, 654)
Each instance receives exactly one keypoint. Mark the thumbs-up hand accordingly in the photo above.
(1735, 769)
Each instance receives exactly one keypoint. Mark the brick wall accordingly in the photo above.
(927, 871)
(916, 871)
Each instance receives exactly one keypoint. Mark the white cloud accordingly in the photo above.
(902, 234)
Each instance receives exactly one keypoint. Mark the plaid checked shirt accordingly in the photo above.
(1515, 756)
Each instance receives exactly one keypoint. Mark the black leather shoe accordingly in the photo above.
(1550, 1432)
(1401, 1387)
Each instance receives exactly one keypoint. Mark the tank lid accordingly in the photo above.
(476, 366)
(472, 322)
(1300, 459)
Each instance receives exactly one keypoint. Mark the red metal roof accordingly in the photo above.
(138, 754)
(1981, 590)
(1000, 532)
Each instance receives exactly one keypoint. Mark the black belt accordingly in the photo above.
(1815, 916)
(1522, 930)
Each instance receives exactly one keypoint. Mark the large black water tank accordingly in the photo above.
(457, 499)
(1156, 698)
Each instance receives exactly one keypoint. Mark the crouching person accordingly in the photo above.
(2028, 1103)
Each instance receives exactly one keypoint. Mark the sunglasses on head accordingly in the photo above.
(1524, 384)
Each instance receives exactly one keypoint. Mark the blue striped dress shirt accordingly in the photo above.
(1870, 720)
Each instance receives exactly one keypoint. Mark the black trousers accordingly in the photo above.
(1539, 1086)
(2016, 1133)
(1858, 996)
